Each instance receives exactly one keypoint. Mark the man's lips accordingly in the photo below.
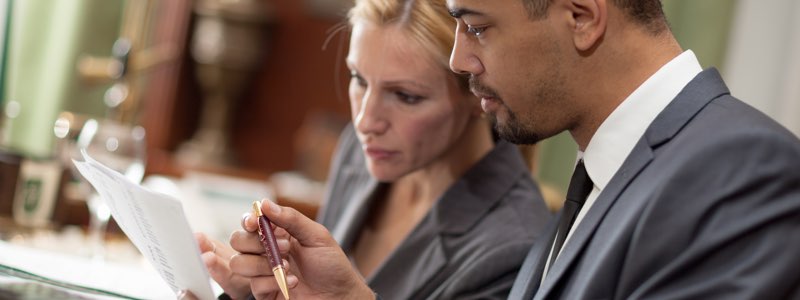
(489, 104)
(486, 99)
(481, 95)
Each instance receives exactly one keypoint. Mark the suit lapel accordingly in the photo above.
(530, 273)
(639, 158)
(697, 94)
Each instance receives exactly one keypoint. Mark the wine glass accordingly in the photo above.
(119, 146)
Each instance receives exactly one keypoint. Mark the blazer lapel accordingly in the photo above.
(423, 260)
(355, 211)
(424, 253)
(697, 94)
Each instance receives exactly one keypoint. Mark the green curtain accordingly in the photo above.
(556, 158)
(702, 26)
(5, 17)
(45, 40)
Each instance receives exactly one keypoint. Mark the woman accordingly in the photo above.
(422, 201)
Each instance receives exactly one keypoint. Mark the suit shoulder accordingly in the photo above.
(731, 116)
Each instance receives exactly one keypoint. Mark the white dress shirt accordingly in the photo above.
(618, 134)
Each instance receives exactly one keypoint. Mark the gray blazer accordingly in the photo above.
(707, 206)
(470, 244)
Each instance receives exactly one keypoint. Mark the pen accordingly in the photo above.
(271, 245)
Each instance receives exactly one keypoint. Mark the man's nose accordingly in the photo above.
(462, 59)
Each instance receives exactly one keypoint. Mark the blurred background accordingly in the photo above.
(221, 102)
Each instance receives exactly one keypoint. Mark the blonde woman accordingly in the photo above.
(422, 201)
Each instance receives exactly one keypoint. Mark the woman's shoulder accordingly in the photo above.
(502, 180)
(348, 177)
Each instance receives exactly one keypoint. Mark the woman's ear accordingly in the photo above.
(590, 18)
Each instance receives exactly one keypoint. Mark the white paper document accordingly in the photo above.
(156, 224)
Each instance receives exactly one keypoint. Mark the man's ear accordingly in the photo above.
(589, 18)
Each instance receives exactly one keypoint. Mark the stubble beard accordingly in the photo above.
(513, 130)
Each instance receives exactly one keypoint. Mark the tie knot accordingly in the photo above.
(580, 185)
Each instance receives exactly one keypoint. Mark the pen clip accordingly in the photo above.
(257, 208)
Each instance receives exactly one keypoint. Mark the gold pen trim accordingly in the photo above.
(280, 277)
(257, 208)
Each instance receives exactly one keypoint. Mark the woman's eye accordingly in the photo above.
(408, 98)
(475, 31)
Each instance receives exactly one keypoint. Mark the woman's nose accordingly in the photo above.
(371, 118)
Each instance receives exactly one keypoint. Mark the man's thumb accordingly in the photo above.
(306, 231)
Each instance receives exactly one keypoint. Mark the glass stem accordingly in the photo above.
(98, 223)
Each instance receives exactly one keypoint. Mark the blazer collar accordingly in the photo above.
(424, 256)
(456, 211)
(705, 87)
(479, 189)
(462, 205)
(355, 212)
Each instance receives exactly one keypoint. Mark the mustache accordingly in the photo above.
(477, 87)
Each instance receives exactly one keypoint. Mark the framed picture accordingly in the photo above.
(331, 9)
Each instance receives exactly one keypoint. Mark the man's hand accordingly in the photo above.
(216, 257)
(317, 267)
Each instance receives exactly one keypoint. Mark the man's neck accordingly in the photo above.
(617, 70)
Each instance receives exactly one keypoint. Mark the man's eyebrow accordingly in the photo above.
(459, 12)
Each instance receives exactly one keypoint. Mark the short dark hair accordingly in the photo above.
(647, 13)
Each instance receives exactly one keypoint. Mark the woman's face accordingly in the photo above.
(407, 109)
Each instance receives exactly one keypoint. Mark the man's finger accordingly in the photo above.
(250, 265)
(307, 232)
(246, 242)
(185, 295)
(217, 267)
(205, 244)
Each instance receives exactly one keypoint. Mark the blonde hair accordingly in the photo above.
(427, 21)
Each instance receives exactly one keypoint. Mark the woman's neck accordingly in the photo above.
(408, 199)
(431, 181)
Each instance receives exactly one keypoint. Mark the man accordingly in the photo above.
(691, 193)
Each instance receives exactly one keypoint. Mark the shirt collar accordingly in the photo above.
(618, 134)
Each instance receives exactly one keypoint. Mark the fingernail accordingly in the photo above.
(182, 294)
(273, 207)
(291, 280)
(244, 219)
(283, 244)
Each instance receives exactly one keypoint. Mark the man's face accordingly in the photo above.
(517, 66)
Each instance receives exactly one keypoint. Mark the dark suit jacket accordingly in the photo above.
(707, 206)
(470, 244)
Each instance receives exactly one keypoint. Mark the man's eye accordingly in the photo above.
(476, 31)
(358, 79)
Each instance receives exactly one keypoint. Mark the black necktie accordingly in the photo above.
(579, 187)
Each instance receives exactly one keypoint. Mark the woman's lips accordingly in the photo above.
(376, 153)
